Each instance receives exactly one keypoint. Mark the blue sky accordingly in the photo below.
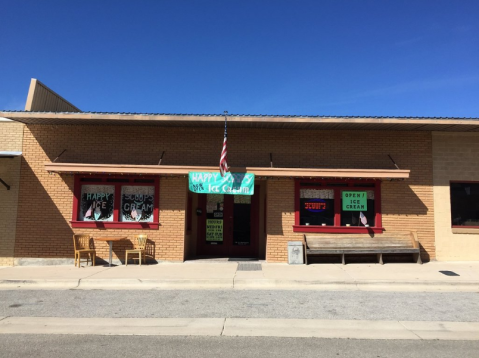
(338, 57)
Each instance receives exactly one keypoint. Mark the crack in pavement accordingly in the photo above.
(410, 330)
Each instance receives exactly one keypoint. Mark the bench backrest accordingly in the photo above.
(392, 240)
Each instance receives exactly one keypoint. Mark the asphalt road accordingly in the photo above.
(406, 306)
(39, 346)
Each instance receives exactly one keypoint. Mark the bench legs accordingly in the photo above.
(380, 259)
(343, 260)
(417, 258)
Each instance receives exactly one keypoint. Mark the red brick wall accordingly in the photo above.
(45, 201)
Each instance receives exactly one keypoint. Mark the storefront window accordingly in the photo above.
(115, 202)
(465, 204)
(343, 206)
(137, 203)
(97, 202)
(316, 207)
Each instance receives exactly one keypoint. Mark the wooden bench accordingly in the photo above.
(342, 244)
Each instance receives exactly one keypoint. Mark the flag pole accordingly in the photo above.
(226, 120)
(223, 157)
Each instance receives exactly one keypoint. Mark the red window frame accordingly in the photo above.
(450, 204)
(115, 224)
(337, 228)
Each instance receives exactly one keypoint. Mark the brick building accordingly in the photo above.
(100, 173)
(11, 135)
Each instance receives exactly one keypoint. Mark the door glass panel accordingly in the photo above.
(242, 199)
(214, 219)
(242, 220)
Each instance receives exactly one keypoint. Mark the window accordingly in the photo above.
(465, 204)
(115, 202)
(137, 203)
(352, 206)
(343, 206)
(316, 207)
(96, 203)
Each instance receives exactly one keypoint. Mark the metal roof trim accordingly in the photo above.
(15, 112)
(247, 121)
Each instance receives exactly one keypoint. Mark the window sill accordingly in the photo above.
(114, 225)
(465, 230)
(338, 229)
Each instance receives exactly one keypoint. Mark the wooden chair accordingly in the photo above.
(139, 247)
(82, 244)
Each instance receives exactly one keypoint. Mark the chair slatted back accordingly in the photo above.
(140, 242)
(81, 242)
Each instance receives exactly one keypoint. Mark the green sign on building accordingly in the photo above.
(214, 230)
(355, 201)
(214, 183)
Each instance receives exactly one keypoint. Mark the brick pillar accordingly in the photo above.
(172, 219)
(279, 219)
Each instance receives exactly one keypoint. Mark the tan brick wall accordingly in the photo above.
(46, 200)
(11, 136)
(10, 140)
(406, 205)
(454, 158)
(280, 219)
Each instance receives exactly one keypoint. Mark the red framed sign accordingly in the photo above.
(116, 202)
(345, 206)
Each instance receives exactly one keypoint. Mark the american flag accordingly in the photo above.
(223, 164)
(363, 218)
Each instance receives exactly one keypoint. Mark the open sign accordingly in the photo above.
(315, 205)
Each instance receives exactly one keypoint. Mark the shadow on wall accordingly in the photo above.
(42, 229)
(397, 198)
(113, 144)
(44, 232)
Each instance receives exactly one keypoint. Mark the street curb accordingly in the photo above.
(64, 284)
(370, 285)
(240, 284)
(244, 327)
(151, 284)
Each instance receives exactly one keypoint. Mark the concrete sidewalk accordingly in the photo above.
(225, 275)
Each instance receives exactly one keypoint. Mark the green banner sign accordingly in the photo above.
(214, 230)
(355, 201)
(214, 183)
